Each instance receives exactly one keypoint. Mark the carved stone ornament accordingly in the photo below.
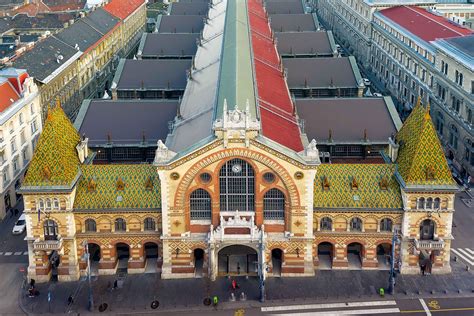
(162, 154)
(174, 175)
(299, 175)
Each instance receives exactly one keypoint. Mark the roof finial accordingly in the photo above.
(427, 114)
(58, 102)
(418, 101)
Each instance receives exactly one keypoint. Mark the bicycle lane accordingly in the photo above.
(437, 306)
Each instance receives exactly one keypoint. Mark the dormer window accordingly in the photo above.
(354, 184)
(92, 185)
(149, 184)
(326, 184)
(430, 173)
(46, 173)
(383, 183)
(120, 184)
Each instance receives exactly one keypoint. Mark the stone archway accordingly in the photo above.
(123, 256)
(355, 254)
(325, 255)
(277, 261)
(384, 252)
(237, 260)
(198, 255)
(150, 252)
(95, 256)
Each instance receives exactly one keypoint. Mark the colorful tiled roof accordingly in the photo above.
(55, 161)
(357, 186)
(100, 187)
(421, 160)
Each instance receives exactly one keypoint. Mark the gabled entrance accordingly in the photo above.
(237, 260)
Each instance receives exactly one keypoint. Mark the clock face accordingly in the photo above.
(236, 168)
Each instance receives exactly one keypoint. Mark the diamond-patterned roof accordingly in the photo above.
(421, 160)
(118, 187)
(55, 161)
(357, 186)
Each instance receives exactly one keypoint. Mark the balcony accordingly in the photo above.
(429, 244)
(48, 245)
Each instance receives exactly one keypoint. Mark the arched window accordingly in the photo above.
(200, 204)
(274, 205)
(325, 224)
(437, 203)
(429, 203)
(421, 203)
(427, 229)
(356, 224)
(56, 204)
(120, 225)
(41, 204)
(48, 204)
(386, 225)
(149, 224)
(91, 225)
(237, 186)
(50, 229)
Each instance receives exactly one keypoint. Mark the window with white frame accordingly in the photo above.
(356, 224)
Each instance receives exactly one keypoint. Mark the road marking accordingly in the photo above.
(469, 250)
(434, 304)
(426, 309)
(8, 253)
(1, 253)
(25, 253)
(440, 310)
(346, 312)
(462, 255)
(18, 253)
(330, 305)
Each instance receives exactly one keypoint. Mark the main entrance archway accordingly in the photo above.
(151, 257)
(237, 260)
(123, 254)
(384, 252)
(354, 255)
(325, 255)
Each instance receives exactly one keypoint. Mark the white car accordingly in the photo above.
(366, 81)
(376, 94)
(20, 225)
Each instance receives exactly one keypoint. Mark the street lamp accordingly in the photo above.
(88, 258)
(391, 281)
(262, 266)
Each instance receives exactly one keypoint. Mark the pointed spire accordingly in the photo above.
(427, 114)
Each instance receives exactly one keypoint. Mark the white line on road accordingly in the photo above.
(425, 307)
(8, 253)
(1, 253)
(346, 312)
(25, 253)
(330, 305)
(462, 256)
(471, 251)
(18, 253)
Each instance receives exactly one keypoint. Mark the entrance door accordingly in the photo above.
(277, 256)
(123, 254)
(238, 260)
(198, 262)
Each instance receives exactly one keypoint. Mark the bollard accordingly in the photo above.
(382, 292)
(243, 297)
(232, 297)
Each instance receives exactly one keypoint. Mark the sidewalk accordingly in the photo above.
(140, 290)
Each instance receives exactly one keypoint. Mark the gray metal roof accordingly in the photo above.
(347, 118)
(292, 23)
(125, 120)
(463, 43)
(168, 45)
(101, 20)
(190, 8)
(42, 60)
(320, 72)
(159, 74)
(284, 7)
(181, 24)
(304, 43)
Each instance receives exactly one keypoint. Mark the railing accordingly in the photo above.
(429, 244)
(48, 244)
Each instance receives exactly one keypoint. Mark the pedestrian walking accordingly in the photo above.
(70, 300)
(238, 268)
(423, 268)
(235, 286)
(115, 284)
(16, 212)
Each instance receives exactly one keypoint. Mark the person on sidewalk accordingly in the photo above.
(70, 300)
(235, 286)
(423, 268)
(115, 284)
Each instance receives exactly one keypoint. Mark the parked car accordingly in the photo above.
(376, 94)
(20, 225)
(366, 81)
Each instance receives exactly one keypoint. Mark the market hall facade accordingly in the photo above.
(235, 187)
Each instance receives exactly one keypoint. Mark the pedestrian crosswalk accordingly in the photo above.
(13, 253)
(464, 254)
(326, 309)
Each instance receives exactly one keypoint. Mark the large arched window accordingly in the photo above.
(427, 230)
(149, 224)
(56, 204)
(200, 204)
(421, 203)
(91, 226)
(50, 229)
(274, 205)
(325, 224)
(237, 186)
(48, 204)
(429, 203)
(356, 224)
(386, 225)
(437, 203)
(120, 225)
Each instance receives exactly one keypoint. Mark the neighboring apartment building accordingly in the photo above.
(79, 62)
(411, 59)
(20, 126)
(350, 21)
